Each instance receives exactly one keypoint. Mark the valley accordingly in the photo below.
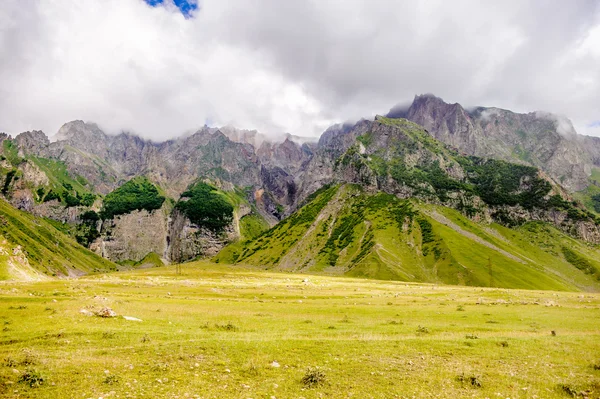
(216, 331)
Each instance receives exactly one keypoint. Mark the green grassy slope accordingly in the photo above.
(590, 197)
(344, 230)
(47, 249)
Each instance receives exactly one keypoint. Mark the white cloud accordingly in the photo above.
(288, 66)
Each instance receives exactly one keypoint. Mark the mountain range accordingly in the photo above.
(404, 196)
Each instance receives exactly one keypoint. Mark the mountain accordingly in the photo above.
(65, 179)
(540, 139)
(129, 199)
(346, 229)
(395, 203)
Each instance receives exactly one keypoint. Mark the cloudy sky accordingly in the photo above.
(289, 66)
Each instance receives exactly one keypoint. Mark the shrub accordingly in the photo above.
(32, 378)
(226, 327)
(111, 379)
(52, 195)
(596, 202)
(314, 377)
(422, 330)
(579, 261)
(470, 380)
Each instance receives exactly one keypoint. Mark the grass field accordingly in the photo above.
(234, 332)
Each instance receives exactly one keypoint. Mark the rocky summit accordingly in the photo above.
(397, 197)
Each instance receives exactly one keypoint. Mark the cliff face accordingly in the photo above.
(132, 236)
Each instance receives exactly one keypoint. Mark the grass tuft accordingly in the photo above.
(32, 377)
(314, 377)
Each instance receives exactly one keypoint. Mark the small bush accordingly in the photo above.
(503, 344)
(422, 330)
(314, 377)
(471, 380)
(226, 327)
(32, 378)
(111, 379)
(567, 389)
(460, 308)
(471, 336)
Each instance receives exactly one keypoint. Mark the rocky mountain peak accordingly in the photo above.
(32, 141)
(541, 139)
(78, 129)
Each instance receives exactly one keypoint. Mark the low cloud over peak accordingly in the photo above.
(289, 66)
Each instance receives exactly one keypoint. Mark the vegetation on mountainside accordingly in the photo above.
(10, 152)
(345, 230)
(47, 248)
(580, 262)
(137, 194)
(590, 196)
(86, 230)
(206, 207)
(252, 225)
(414, 159)
(69, 190)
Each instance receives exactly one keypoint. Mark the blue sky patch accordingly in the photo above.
(187, 7)
(594, 124)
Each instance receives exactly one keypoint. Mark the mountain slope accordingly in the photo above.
(539, 139)
(32, 247)
(344, 229)
(399, 157)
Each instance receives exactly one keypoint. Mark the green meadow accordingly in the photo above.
(216, 331)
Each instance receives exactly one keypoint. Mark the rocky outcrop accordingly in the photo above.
(132, 236)
(187, 241)
(31, 142)
(583, 229)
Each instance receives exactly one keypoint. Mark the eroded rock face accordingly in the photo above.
(31, 142)
(132, 236)
(583, 229)
(187, 241)
(56, 211)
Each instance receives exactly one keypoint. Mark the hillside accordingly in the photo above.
(33, 248)
(345, 230)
